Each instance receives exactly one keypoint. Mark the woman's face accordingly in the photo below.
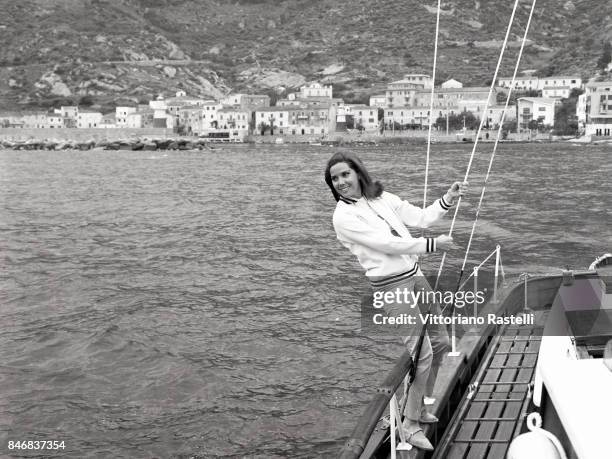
(345, 180)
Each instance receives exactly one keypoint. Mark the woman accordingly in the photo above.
(371, 223)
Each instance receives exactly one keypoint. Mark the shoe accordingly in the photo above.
(429, 400)
(418, 439)
(427, 418)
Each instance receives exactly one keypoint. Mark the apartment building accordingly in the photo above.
(363, 116)
(121, 114)
(316, 90)
(378, 100)
(598, 109)
(251, 101)
(88, 119)
(532, 83)
(142, 118)
(538, 109)
(271, 121)
(471, 99)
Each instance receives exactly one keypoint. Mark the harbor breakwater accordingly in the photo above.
(87, 139)
(176, 143)
(166, 139)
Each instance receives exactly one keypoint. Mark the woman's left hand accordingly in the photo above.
(456, 189)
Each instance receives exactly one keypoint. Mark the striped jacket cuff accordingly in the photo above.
(430, 244)
(445, 205)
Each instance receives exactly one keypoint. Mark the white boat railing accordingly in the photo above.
(395, 416)
(395, 412)
(499, 269)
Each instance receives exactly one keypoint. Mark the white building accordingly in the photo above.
(53, 121)
(532, 83)
(378, 100)
(233, 120)
(538, 109)
(495, 113)
(160, 118)
(34, 120)
(599, 109)
(315, 90)
(420, 79)
(12, 120)
(401, 93)
(292, 101)
(559, 92)
(471, 99)
(69, 115)
(209, 115)
(272, 120)
(409, 117)
(297, 119)
(121, 114)
(142, 118)
(573, 82)
(363, 116)
(451, 84)
(312, 119)
(245, 100)
(108, 121)
(88, 119)
(528, 83)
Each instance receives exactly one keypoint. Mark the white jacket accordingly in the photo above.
(364, 227)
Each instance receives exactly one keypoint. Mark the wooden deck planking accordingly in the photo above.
(506, 376)
(457, 451)
(499, 360)
(486, 428)
(478, 451)
(521, 353)
(512, 409)
(466, 431)
(497, 451)
(505, 430)
(476, 409)
(529, 360)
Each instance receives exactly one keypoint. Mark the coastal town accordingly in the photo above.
(314, 114)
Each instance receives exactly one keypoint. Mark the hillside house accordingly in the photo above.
(538, 109)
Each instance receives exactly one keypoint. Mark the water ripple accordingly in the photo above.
(198, 304)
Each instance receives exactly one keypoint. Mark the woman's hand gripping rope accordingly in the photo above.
(456, 190)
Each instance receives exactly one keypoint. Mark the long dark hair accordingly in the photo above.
(369, 188)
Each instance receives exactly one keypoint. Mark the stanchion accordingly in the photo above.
(475, 291)
(495, 280)
(453, 352)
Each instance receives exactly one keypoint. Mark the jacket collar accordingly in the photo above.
(347, 200)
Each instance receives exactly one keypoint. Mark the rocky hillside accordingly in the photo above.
(115, 51)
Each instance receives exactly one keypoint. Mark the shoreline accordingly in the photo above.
(195, 143)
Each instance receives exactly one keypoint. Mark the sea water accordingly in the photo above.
(198, 304)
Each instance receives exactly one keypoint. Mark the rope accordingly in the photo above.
(467, 172)
(499, 129)
(431, 101)
(492, 157)
(419, 345)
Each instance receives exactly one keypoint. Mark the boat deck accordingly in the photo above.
(492, 413)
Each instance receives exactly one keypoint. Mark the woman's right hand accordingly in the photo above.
(444, 243)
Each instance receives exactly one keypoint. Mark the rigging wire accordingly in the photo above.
(431, 101)
(467, 172)
(499, 129)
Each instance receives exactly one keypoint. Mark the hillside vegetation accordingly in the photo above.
(110, 51)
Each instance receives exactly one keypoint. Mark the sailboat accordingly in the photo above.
(519, 392)
(538, 391)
